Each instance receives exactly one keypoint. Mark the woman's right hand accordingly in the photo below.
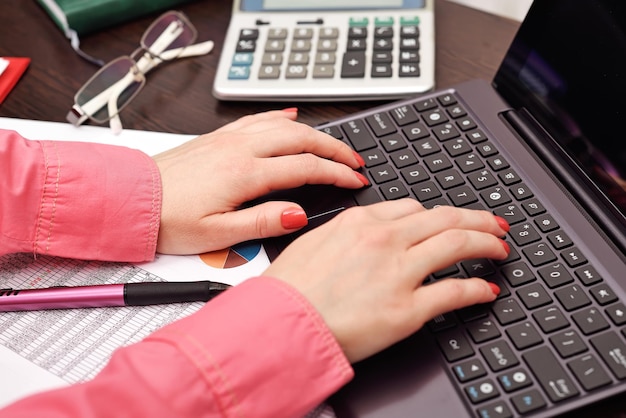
(364, 270)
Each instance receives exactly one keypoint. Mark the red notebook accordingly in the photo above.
(11, 74)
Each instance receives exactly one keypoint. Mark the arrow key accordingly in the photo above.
(495, 410)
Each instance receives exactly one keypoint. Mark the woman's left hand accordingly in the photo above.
(206, 180)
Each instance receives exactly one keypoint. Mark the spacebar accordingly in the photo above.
(552, 377)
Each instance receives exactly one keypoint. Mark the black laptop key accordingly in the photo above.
(381, 124)
(469, 370)
(572, 297)
(394, 190)
(497, 409)
(499, 355)
(568, 343)
(515, 380)
(483, 330)
(555, 275)
(495, 196)
(508, 311)
(588, 275)
(603, 294)
(552, 377)
(534, 296)
(539, 254)
(383, 173)
(589, 373)
(358, 135)
(482, 391)
(613, 352)
(528, 402)
(590, 320)
(550, 319)
(524, 335)
(455, 345)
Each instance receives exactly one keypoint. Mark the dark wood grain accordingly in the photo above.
(177, 97)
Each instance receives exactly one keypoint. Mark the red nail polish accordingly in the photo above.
(359, 159)
(502, 223)
(506, 246)
(291, 110)
(494, 288)
(362, 178)
(293, 218)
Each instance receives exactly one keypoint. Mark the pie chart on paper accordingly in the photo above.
(235, 256)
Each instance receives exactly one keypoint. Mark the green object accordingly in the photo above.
(87, 16)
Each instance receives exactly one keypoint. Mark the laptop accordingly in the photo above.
(544, 146)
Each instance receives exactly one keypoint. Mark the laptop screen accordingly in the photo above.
(567, 67)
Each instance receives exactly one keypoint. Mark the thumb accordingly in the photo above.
(265, 220)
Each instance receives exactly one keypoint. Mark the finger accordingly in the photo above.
(249, 120)
(435, 221)
(296, 170)
(264, 220)
(451, 246)
(285, 137)
(394, 209)
(450, 294)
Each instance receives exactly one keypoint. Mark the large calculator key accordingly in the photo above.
(353, 65)
(613, 351)
(358, 135)
(551, 375)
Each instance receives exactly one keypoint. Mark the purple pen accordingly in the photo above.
(129, 294)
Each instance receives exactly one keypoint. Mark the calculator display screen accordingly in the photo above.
(302, 5)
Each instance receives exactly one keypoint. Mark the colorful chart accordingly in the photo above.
(235, 256)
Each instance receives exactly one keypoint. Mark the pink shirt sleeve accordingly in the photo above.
(259, 349)
(48, 187)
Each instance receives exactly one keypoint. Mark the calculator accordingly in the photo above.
(327, 50)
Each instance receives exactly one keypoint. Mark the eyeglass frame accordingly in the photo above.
(150, 57)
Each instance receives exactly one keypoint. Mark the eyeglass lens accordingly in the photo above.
(120, 74)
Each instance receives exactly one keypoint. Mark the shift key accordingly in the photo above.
(550, 374)
(358, 135)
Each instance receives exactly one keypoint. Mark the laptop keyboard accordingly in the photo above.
(554, 332)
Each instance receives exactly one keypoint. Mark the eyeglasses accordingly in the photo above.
(103, 97)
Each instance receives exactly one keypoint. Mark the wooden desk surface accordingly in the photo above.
(177, 97)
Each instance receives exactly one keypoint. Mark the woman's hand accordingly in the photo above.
(363, 270)
(206, 180)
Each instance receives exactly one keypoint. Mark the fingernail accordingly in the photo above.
(293, 218)
(494, 288)
(291, 110)
(502, 223)
(359, 159)
(506, 246)
(362, 178)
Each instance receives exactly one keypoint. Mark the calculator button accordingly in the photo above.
(301, 45)
(324, 58)
(277, 33)
(409, 57)
(353, 65)
(357, 44)
(246, 45)
(383, 44)
(298, 58)
(303, 33)
(382, 57)
(242, 58)
(329, 33)
(274, 45)
(327, 45)
(272, 58)
(381, 70)
(411, 44)
(296, 71)
(323, 71)
(267, 72)
(383, 31)
(249, 34)
(239, 72)
(357, 31)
